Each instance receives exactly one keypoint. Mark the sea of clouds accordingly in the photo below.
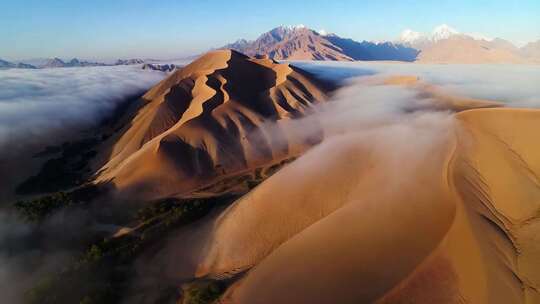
(40, 103)
(515, 85)
(36, 103)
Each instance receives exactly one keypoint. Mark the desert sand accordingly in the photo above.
(370, 218)
(453, 221)
(438, 207)
(204, 121)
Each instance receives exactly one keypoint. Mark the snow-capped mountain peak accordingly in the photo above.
(322, 32)
(477, 36)
(410, 36)
(440, 32)
(292, 28)
(443, 31)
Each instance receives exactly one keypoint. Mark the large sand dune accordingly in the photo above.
(205, 121)
(434, 208)
(453, 219)
(438, 203)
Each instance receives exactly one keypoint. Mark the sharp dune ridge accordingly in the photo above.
(399, 192)
(456, 225)
(205, 120)
(436, 206)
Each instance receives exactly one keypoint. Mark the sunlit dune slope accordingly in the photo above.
(205, 120)
(438, 209)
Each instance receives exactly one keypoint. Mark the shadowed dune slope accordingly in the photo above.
(205, 120)
(452, 219)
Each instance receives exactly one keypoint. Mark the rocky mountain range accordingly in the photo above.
(302, 43)
(10, 65)
(160, 67)
(443, 45)
(447, 45)
(59, 63)
(531, 50)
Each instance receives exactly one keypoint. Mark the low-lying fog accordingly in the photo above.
(34, 103)
(515, 85)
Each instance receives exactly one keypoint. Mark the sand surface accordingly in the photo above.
(439, 206)
(205, 121)
(456, 223)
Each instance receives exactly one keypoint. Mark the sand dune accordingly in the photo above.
(437, 205)
(368, 217)
(454, 223)
(205, 120)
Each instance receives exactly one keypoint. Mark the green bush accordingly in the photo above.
(36, 210)
(202, 292)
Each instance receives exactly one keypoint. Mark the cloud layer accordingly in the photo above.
(514, 85)
(34, 103)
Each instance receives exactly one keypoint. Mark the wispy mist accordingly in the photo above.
(514, 85)
(34, 103)
(375, 118)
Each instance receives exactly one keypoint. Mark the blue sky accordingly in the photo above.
(107, 29)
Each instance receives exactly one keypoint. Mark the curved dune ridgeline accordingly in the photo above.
(205, 121)
(428, 198)
(452, 218)
(436, 208)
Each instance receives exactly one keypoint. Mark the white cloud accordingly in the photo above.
(37, 102)
(515, 85)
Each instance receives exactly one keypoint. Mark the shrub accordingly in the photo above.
(202, 292)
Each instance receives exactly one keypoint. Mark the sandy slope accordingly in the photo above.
(205, 121)
(434, 207)
(369, 217)
(452, 220)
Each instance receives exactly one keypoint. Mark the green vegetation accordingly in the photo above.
(103, 273)
(35, 210)
(203, 292)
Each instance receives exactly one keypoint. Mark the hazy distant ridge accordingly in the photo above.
(302, 43)
(59, 63)
(443, 45)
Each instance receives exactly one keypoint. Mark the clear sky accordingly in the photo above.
(107, 29)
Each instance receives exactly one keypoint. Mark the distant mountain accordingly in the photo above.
(54, 63)
(10, 65)
(447, 45)
(159, 67)
(22, 65)
(129, 61)
(419, 40)
(374, 51)
(464, 49)
(6, 64)
(78, 63)
(531, 51)
(59, 63)
(301, 43)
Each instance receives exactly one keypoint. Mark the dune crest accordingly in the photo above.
(205, 121)
(453, 219)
